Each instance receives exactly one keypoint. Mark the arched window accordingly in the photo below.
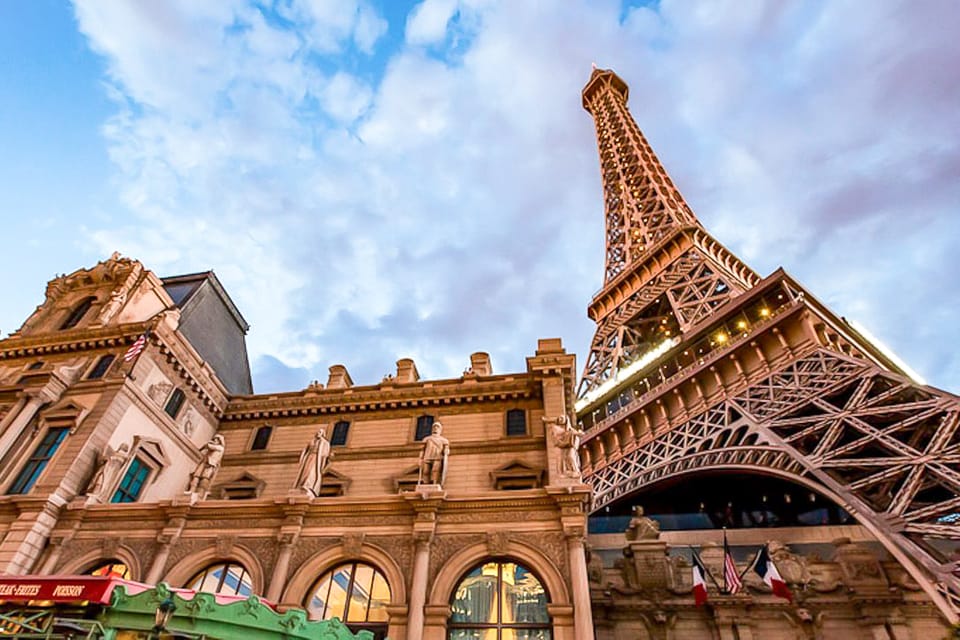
(228, 578)
(499, 600)
(112, 568)
(78, 312)
(356, 593)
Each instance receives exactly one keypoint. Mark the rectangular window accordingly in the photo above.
(424, 427)
(101, 368)
(132, 483)
(174, 402)
(38, 460)
(340, 430)
(262, 438)
(516, 422)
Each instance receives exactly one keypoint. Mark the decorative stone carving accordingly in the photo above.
(566, 437)
(498, 542)
(792, 567)
(434, 457)
(642, 527)
(109, 547)
(110, 463)
(159, 391)
(594, 565)
(206, 469)
(225, 545)
(190, 422)
(860, 567)
(352, 544)
(314, 460)
(117, 298)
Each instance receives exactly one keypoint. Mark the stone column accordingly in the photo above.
(17, 420)
(166, 539)
(418, 586)
(580, 584)
(53, 555)
(278, 578)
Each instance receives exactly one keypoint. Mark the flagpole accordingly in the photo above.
(726, 590)
(706, 570)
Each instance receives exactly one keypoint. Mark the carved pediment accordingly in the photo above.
(516, 475)
(333, 484)
(245, 487)
(152, 448)
(65, 413)
(408, 480)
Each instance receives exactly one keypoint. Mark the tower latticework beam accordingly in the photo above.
(698, 364)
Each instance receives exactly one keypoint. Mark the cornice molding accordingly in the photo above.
(520, 386)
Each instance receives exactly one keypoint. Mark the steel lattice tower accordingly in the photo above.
(699, 364)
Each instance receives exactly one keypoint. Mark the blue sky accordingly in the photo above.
(373, 181)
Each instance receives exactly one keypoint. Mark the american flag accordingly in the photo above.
(135, 349)
(731, 577)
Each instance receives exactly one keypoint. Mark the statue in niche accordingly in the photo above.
(314, 460)
(567, 438)
(642, 527)
(434, 457)
(206, 469)
(109, 464)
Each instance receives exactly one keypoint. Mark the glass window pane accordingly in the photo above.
(360, 595)
(112, 569)
(473, 634)
(355, 593)
(529, 634)
(317, 606)
(379, 599)
(476, 597)
(525, 599)
(337, 600)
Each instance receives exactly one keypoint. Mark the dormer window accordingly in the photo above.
(78, 312)
(35, 365)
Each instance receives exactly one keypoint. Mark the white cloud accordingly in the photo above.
(428, 21)
(454, 205)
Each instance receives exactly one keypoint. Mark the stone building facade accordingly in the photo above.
(70, 404)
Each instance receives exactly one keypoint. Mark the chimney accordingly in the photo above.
(480, 364)
(339, 378)
(407, 371)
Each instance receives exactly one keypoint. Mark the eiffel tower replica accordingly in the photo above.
(699, 364)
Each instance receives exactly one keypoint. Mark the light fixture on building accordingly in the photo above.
(163, 615)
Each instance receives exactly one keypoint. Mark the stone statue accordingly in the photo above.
(117, 298)
(206, 469)
(109, 463)
(642, 527)
(434, 457)
(567, 438)
(314, 460)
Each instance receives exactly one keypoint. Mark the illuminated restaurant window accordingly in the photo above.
(356, 593)
(111, 568)
(499, 600)
(226, 578)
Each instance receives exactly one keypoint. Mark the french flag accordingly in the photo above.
(767, 571)
(699, 580)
